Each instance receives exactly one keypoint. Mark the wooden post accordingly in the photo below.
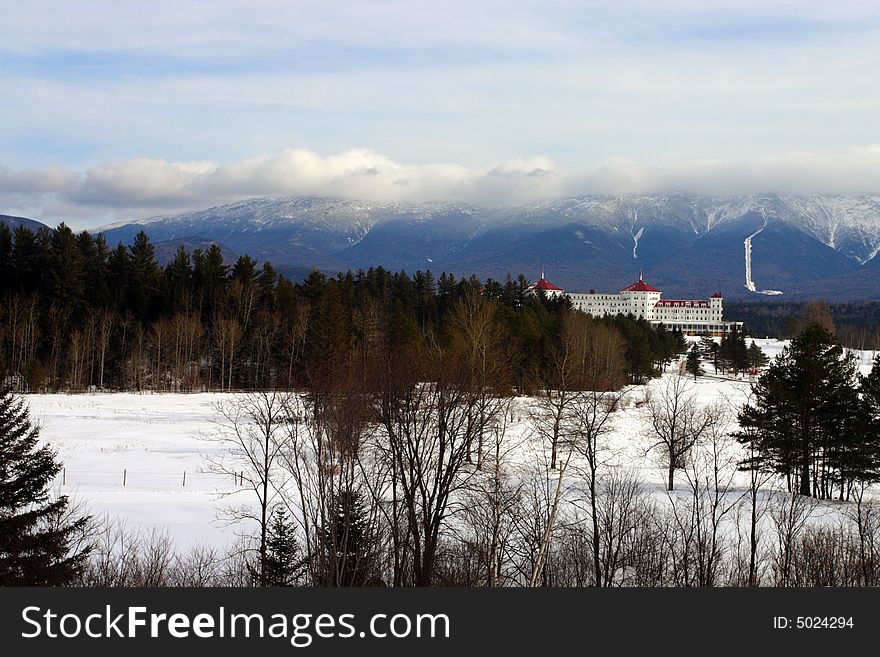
(184, 477)
(64, 477)
(124, 476)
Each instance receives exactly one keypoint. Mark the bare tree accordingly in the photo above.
(555, 478)
(789, 514)
(677, 423)
(227, 334)
(250, 429)
(864, 513)
(756, 501)
(493, 500)
(710, 474)
(592, 412)
(426, 407)
(620, 511)
(480, 337)
(588, 369)
(336, 501)
(105, 322)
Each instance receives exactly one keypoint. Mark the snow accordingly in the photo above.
(750, 284)
(154, 438)
(148, 439)
(636, 239)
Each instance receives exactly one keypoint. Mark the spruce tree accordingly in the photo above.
(693, 361)
(348, 542)
(37, 542)
(756, 357)
(285, 565)
(144, 276)
(6, 266)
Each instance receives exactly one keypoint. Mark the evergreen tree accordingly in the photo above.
(804, 422)
(348, 542)
(95, 267)
(285, 565)
(870, 415)
(733, 352)
(6, 268)
(178, 279)
(144, 276)
(37, 543)
(29, 260)
(709, 347)
(119, 271)
(66, 274)
(693, 361)
(757, 358)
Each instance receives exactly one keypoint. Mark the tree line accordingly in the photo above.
(80, 315)
(856, 324)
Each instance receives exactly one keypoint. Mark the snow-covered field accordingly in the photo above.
(126, 454)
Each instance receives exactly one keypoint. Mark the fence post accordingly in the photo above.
(184, 477)
(64, 477)
(124, 477)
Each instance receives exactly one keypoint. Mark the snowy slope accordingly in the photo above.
(804, 246)
(151, 439)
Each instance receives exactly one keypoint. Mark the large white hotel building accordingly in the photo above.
(641, 300)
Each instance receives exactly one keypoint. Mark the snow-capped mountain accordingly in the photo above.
(746, 246)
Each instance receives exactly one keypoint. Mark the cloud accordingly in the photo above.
(36, 181)
(455, 81)
(141, 187)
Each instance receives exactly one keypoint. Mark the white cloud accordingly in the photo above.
(140, 187)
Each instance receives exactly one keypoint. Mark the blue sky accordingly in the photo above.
(118, 110)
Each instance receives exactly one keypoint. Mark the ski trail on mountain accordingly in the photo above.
(750, 284)
(636, 236)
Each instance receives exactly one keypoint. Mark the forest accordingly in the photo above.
(856, 323)
(78, 314)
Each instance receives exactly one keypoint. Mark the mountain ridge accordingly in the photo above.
(688, 245)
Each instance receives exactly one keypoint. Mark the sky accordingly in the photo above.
(118, 110)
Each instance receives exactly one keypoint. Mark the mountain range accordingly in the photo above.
(746, 247)
(759, 247)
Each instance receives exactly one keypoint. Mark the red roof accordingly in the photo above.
(684, 303)
(640, 286)
(543, 284)
(717, 295)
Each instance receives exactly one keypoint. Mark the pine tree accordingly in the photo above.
(37, 542)
(144, 280)
(870, 415)
(710, 349)
(804, 422)
(66, 274)
(693, 361)
(757, 358)
(740, 352)
(285, 565)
